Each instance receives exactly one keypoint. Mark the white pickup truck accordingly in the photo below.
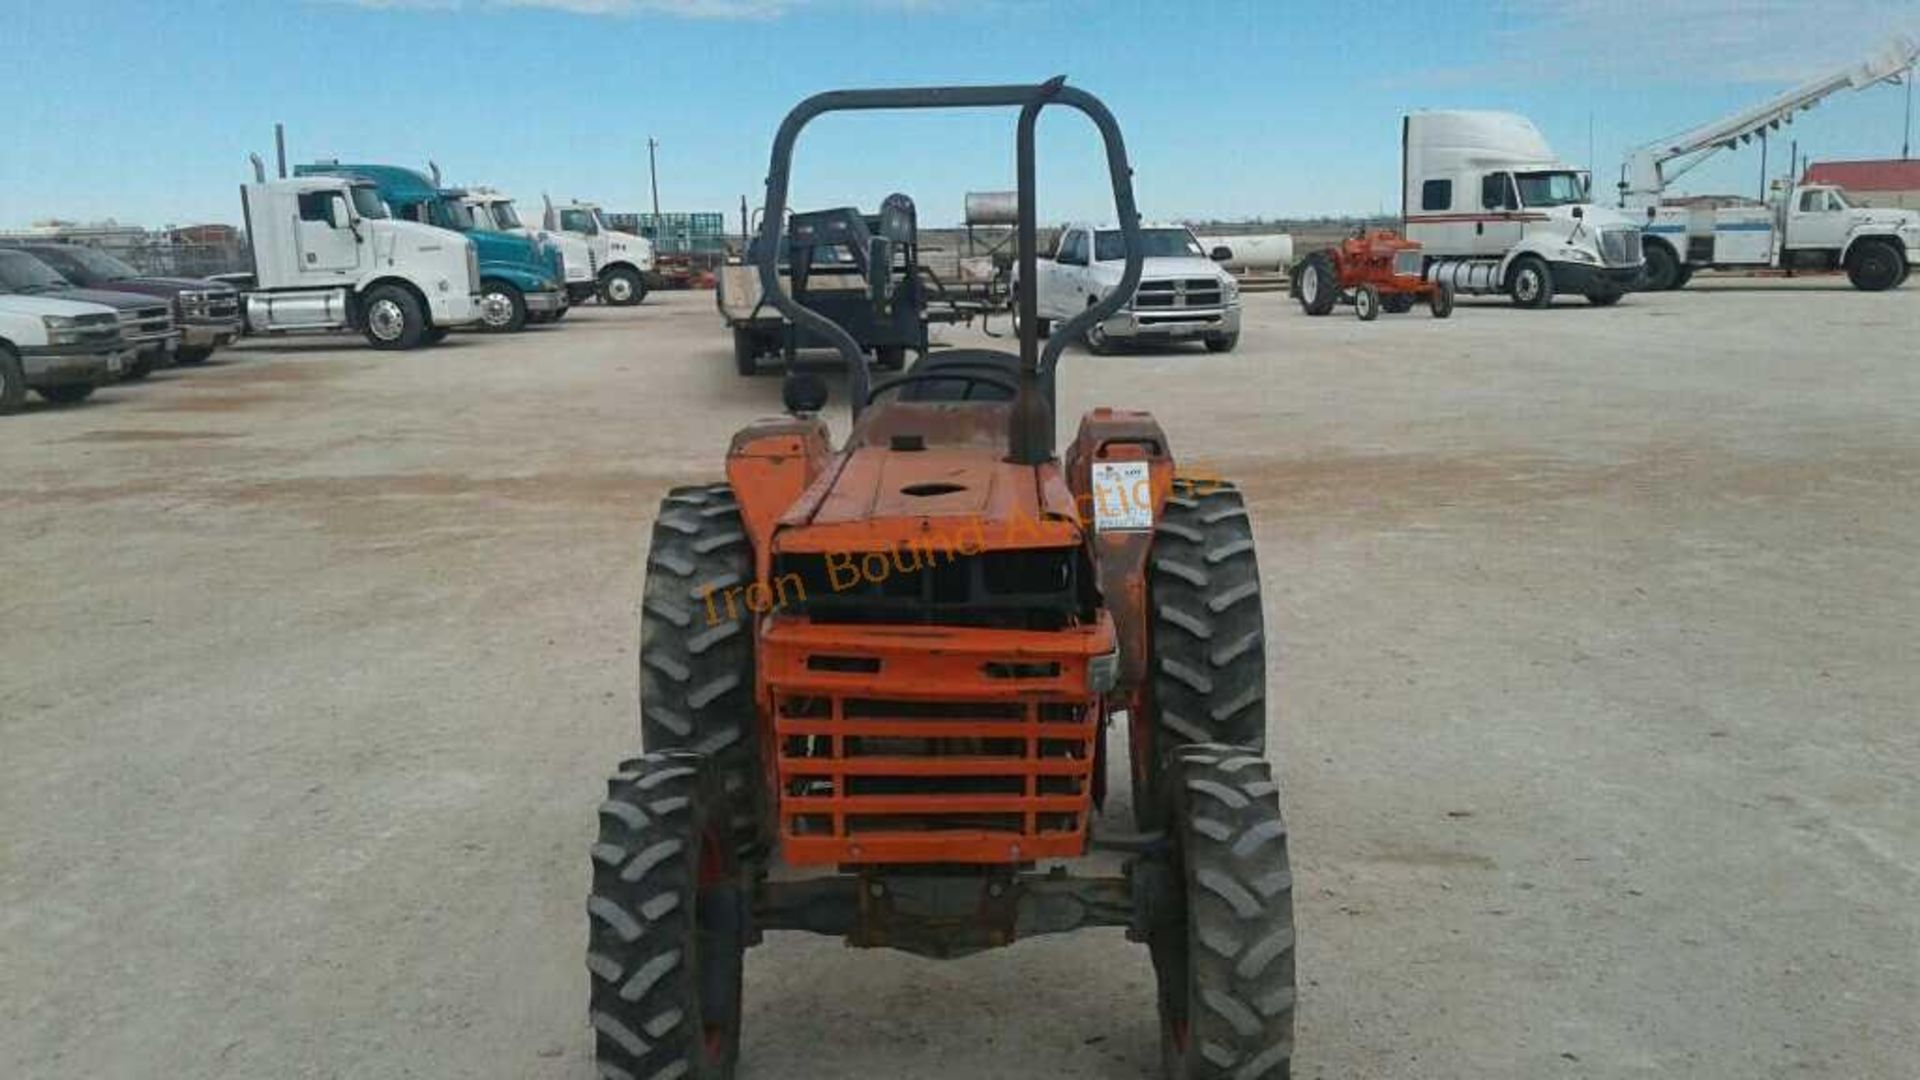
(1183, 295)
(60, 349)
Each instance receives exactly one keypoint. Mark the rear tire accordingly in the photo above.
(1530, 283)
(13, 382)
(1366, 303)
(1207, 664)
(1223, 952)
(1319, 288)
(70, 394)
(1875, 266)
(623, 287)
(1663, 269)
(696, 646)
(503, 307)
(665, 932)
(392, 318)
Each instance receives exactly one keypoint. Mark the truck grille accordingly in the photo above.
(1177, 293)
(212, 306)
(98, 329)
(1620, 247)
(964, 747)
(146, 324)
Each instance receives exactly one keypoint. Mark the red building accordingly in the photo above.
(1871, 183)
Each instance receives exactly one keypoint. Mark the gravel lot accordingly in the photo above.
(1595, 700)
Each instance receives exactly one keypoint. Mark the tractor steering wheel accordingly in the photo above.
(957, 373)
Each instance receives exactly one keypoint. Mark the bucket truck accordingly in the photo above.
(1806, 226)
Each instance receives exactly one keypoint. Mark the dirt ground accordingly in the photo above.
(1594, 697)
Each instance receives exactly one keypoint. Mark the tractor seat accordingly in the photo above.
(1001, 367)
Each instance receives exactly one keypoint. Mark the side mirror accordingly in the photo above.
(879, 268)
(1578, 213)
(1222, 253)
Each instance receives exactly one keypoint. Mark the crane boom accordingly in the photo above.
(1650, 168)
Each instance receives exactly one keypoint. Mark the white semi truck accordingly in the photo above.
(1805, 226)
(327, 256)
(495, 210)
(1495, 211)
(622, 261)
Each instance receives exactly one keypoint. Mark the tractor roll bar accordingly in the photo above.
(1032, 432)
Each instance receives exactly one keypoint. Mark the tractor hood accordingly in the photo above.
(961, 498)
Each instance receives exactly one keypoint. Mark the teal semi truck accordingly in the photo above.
(522, 278)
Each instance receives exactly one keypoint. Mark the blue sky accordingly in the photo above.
(146, 111)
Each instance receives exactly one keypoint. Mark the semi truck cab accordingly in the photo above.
(328, 256)
(1495, 211)
(622, 261)
(519, 275)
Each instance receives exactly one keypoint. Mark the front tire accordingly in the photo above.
(665, 937)
(1875, 266)
(696, 646)
(1440, 301)
(1366, 303)
(13, 382)
(1207, 665)
(503, 307)
(1223, 954)
(393, 319)
(623, 287)
(1530, 283)
(1223, 343)
(1604, 299)
(70, 394)
(192, 354)
(1663, 269)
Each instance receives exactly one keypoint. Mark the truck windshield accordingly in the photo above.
(580, 221)
(503, 215)
(85, 266)
(1551, 188)
(1108, 246)
(455, 215)
(22, 273)
(367, 201)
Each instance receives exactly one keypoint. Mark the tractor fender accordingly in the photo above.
(770, 464)
(1121, 437)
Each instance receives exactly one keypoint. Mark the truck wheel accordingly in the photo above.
(1366, 303)
(1530, 282)
(696, 646)
(1685, 275)
(1604, 299)
(1319, 288)
(1207, 661)
(196, 354)
(393, 318)
(665, 936)
(1874, 266)
(1663, 269)
(1223, 342)
(140, 367)
(1223, 950)
(13, 381)
(503, 308)
(70, 394)
(746, 351)
(1440, 300)
(623, 287)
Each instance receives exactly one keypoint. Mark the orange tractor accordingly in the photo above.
(875, 681)
(1373, 271)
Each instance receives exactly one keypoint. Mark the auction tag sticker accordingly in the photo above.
(1122, 495)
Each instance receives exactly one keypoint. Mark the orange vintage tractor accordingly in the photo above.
(1373, 271)
(885, 671)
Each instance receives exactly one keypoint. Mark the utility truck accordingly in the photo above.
(495, 210)
(1495, 211)
(519, 275)
(1803, 227)
(1182, 295)
(622, 262)
(328, 256)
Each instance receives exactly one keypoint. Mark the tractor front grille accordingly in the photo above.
(1406, 262)
(1177, 293)
(954, 746)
